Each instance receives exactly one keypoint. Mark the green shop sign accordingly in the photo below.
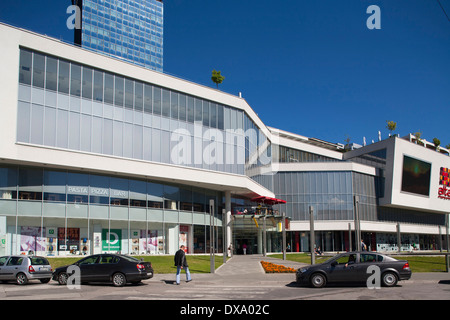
(112, 240)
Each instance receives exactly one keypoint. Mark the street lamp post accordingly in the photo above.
(211, 236)
(283, 228)
(312, 235)
(357, 223)
(224, 235)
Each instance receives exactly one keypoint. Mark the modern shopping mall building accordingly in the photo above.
(98, 154)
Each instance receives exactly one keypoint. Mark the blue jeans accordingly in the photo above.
(188, 274)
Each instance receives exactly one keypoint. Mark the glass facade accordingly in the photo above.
(292, 155)
(79, 206)
(330, 193)
(67, 105)
(131, 30)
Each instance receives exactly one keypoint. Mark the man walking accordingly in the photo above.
(181, 263)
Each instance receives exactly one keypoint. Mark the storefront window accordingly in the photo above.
(30, 184)
(199, 239)
(69, 239)
(99, 190)
(138, 193)
(198, 201)
(8, 183)
(55, 186)
(119, 192)
(77, 187)
(171, 197)
(155, 195)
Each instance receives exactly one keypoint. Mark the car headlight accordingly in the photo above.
(302, 270)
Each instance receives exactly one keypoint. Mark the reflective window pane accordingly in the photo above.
(198, 110)
(51, 74)
(165, 103)
(87, 83)
(148, 98)
(156, 100)
(25, 67)
(98, 85)
(38, 70)
(190, 109)
(75, 81)
(138, 96)
(206, 113)
(109, 88)
(174, 105)
(182, 107)
(63, 77)
(118, 91)
(129, 93)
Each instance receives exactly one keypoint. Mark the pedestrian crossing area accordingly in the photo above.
(193, 291)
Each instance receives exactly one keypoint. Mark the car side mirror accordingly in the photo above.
(334, 264)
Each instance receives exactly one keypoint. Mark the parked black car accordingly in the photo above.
(115, 268)
(353, 267)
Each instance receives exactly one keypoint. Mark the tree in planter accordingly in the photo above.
(418, 134)
(437, 143)
(217, 78)
(347, 143)
(391, 126)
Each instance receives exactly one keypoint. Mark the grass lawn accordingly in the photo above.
(161, 264)
(416, 263)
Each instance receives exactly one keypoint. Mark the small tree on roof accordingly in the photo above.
(217, 78)
(391, 126)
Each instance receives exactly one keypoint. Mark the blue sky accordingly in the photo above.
(308, 67)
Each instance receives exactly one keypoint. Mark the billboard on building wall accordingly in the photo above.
(112, 240)
(444, 184)
(416, 176)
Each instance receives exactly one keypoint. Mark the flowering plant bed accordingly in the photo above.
(270, 267)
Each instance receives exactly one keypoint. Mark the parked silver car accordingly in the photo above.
(23, 268)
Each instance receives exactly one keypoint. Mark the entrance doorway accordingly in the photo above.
(247, 240)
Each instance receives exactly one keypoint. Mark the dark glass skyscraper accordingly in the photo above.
(131, 30)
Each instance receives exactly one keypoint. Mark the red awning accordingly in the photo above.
(267, 200)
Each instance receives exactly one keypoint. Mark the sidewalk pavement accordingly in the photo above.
(246, 269)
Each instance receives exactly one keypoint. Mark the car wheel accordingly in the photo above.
(62, 278)
(318, 280)
(21, 278)
(389, 279)
(118, 279)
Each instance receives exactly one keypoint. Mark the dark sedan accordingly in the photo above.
(356, 267)
(114, 268)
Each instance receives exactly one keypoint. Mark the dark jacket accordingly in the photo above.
(180, 259)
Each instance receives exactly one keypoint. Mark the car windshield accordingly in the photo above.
(39, 261)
